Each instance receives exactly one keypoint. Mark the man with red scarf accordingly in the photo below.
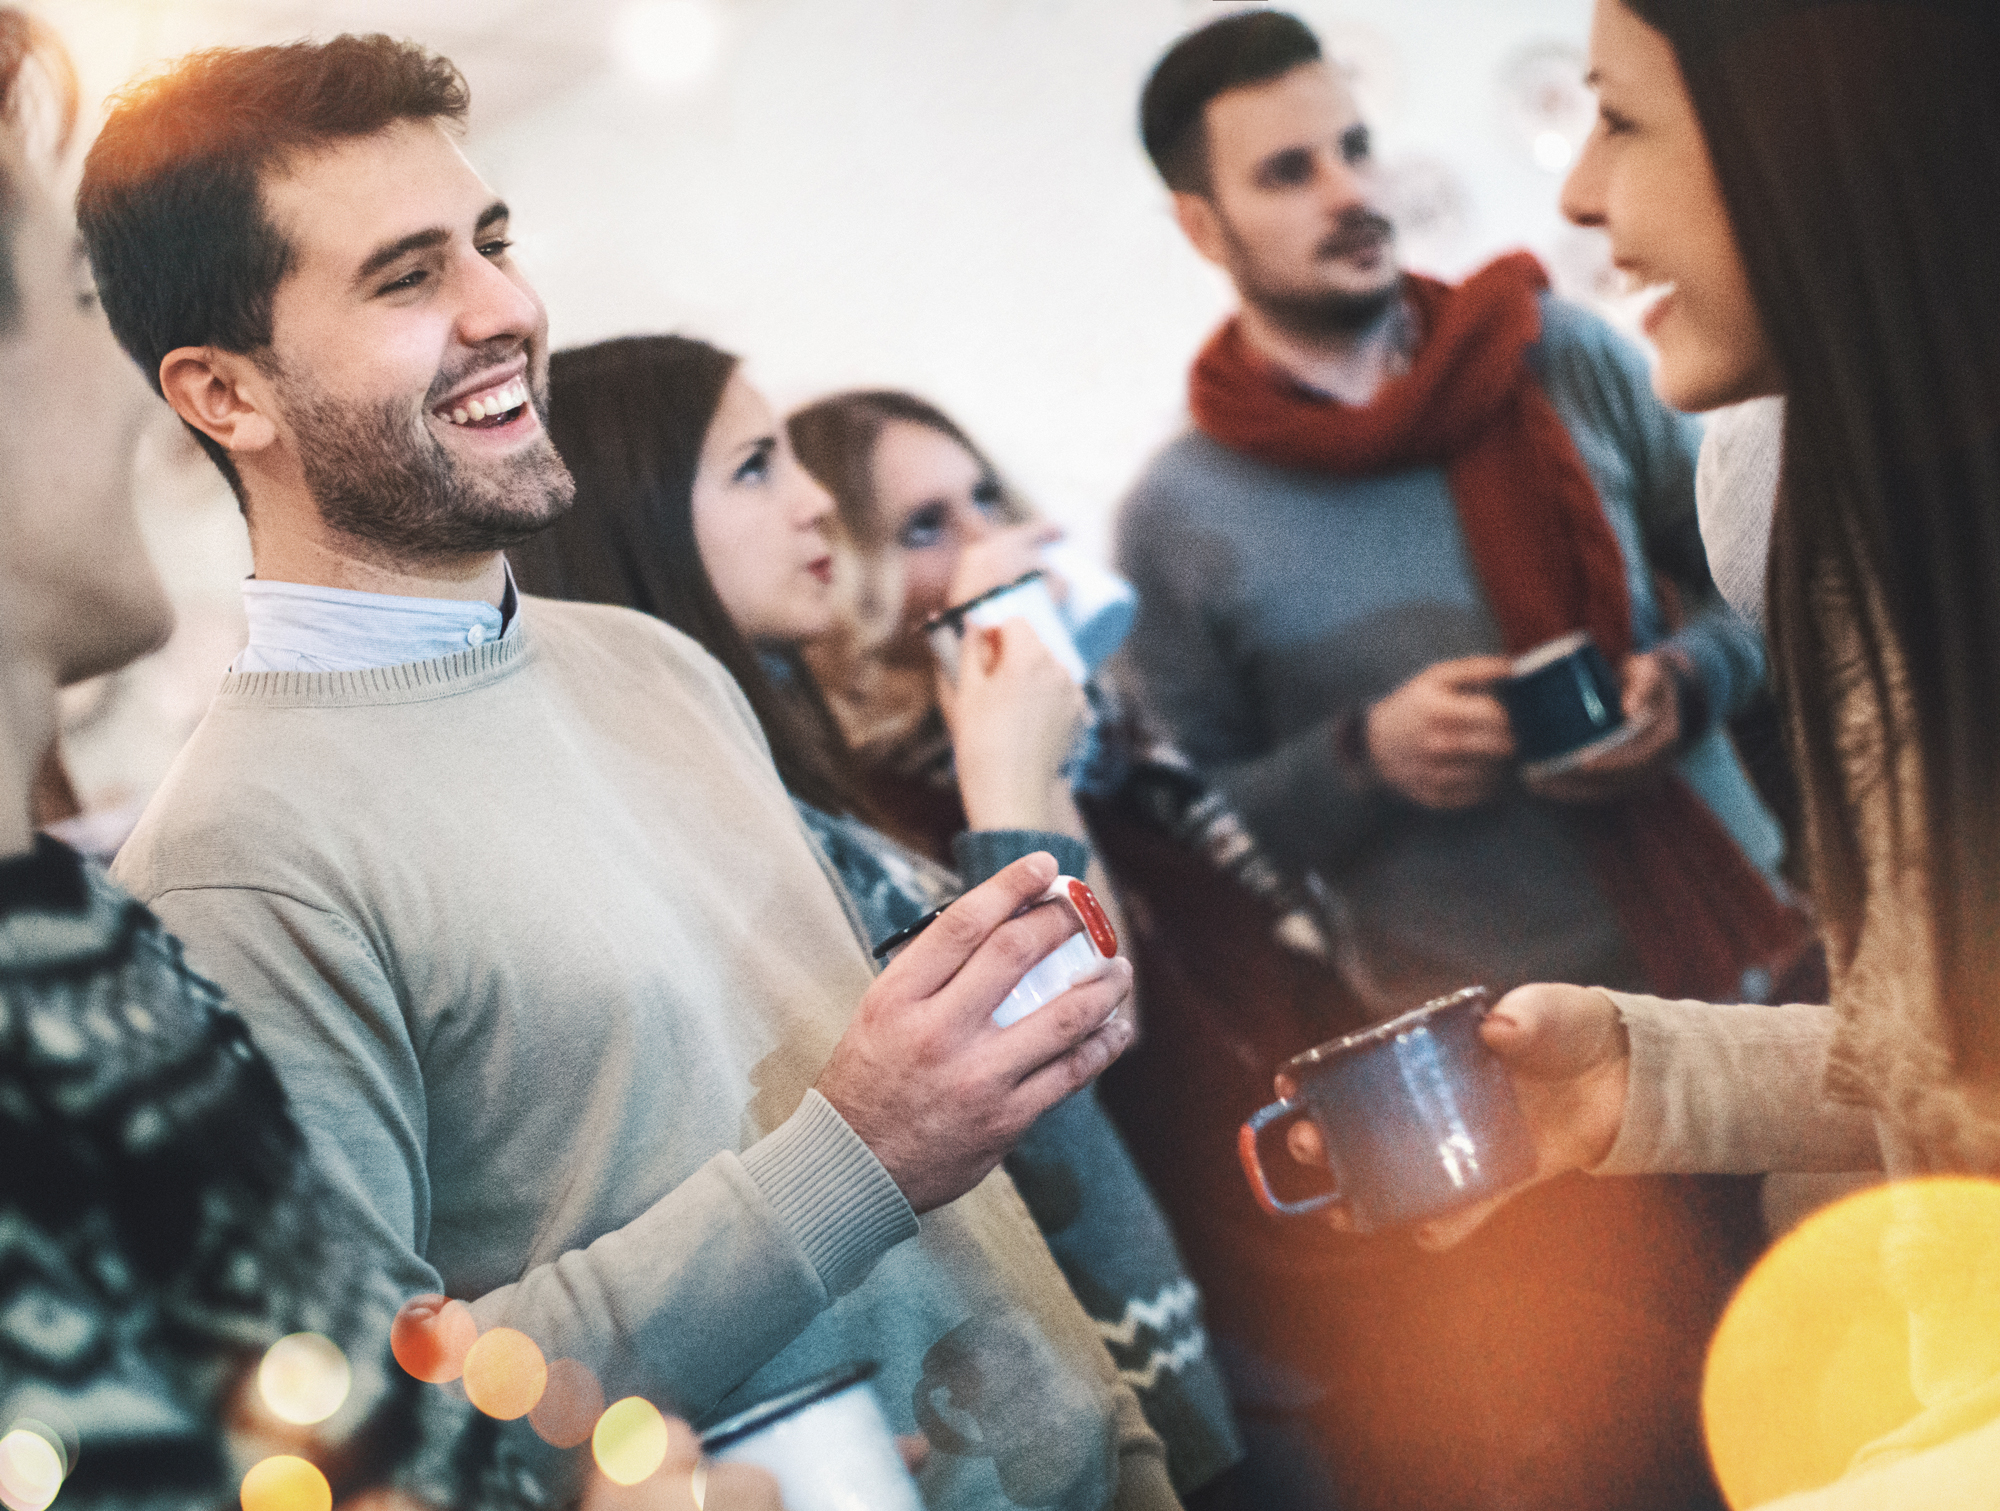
(1392, 486)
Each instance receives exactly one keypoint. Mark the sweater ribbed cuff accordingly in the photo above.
(981, 853)
(826, 1185)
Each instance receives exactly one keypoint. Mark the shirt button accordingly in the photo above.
(476, 635)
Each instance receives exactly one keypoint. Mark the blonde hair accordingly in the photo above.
(876, 679)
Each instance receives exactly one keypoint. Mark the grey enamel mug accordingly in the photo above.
(1418, 1117)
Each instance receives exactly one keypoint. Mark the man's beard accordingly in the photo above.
(1320, 313)
(379, 479)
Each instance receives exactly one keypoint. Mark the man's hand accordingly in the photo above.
(1442, 739)
(1566, 1052)
(1651, 702)
(923, 1075)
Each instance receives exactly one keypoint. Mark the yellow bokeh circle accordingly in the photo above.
(285, 1483)
(31, 1469)
(1866, 1339)
(505, 1374)
(304, 1379)
(630, 1441)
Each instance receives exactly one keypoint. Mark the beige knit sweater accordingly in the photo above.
(548, 965)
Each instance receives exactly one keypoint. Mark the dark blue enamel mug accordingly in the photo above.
(1417, 1114)
(1563, 703)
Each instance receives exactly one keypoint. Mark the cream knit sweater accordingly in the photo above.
(548, 965)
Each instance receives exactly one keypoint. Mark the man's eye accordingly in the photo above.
(1288, 170)
(923, 529)
(1614, 123)
(989, 495)
(408, 281)
(494, 248)
(1355, 145)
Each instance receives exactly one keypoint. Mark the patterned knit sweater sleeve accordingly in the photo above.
(161, 1227)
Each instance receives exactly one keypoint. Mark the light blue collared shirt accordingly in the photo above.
(296, 627)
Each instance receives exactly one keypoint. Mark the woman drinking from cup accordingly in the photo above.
(691, 506)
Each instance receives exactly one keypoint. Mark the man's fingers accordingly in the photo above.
(1473, 671)
(1072, 1070)
(1002, 959)
(937, 955)
(1016, 1052)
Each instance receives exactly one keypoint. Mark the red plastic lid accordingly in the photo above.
(1095, 923)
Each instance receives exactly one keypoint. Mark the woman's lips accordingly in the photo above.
(1658, 298)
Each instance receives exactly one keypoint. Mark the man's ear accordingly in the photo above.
(221, 394)
(1201, 223)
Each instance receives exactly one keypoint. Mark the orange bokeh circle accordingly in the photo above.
(505, 1374)
(285, 1483)
(431, 1337)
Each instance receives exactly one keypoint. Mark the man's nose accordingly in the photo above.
(496, 305)
(1342, 185)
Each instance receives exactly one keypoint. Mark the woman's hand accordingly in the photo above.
(1001, 558)
(1014, 716)
(1566, 1052)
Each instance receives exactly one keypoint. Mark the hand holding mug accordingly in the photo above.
(1442, 739)
(1565, 1051)
(1014, 713)
(925, 1077)
(1650, 699)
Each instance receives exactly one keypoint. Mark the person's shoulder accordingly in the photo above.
(563, 628)
(607, 644)
(1577, 343)
(1185, 480)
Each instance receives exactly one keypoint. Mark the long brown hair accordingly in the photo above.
(629, 417)
(1858, 149)
(883, 694)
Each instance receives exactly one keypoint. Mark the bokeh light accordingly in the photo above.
(304, 1379)
(670, 44)
(505, 1374)
(570, 1405)
(630, 1441)
(32, 1466)
(431, 1337)
(285, 1483)
(1866, 1340)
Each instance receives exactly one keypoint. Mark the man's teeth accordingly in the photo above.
(495, 401)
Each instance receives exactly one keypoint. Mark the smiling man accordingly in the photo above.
(1391, 487)
(509, 889)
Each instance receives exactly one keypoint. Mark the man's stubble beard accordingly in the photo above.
(1314, 315)
(377, 479)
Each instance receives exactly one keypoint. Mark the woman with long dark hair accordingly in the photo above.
(691, 507)
(1813, 188)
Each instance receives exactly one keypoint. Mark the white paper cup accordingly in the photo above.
(1028, 598)
(826, 1443)
(1100, 606)
(1081, 957)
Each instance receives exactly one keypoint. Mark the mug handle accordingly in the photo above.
(1253, 1164)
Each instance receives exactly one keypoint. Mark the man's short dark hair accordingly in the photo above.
(172, 209)
(1247, 48)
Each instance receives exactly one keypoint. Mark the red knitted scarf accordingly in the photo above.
(1697, 912)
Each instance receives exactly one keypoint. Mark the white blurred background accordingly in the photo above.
(942, 195)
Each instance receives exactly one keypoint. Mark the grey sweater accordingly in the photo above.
(548, 966)
(1273, 603)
